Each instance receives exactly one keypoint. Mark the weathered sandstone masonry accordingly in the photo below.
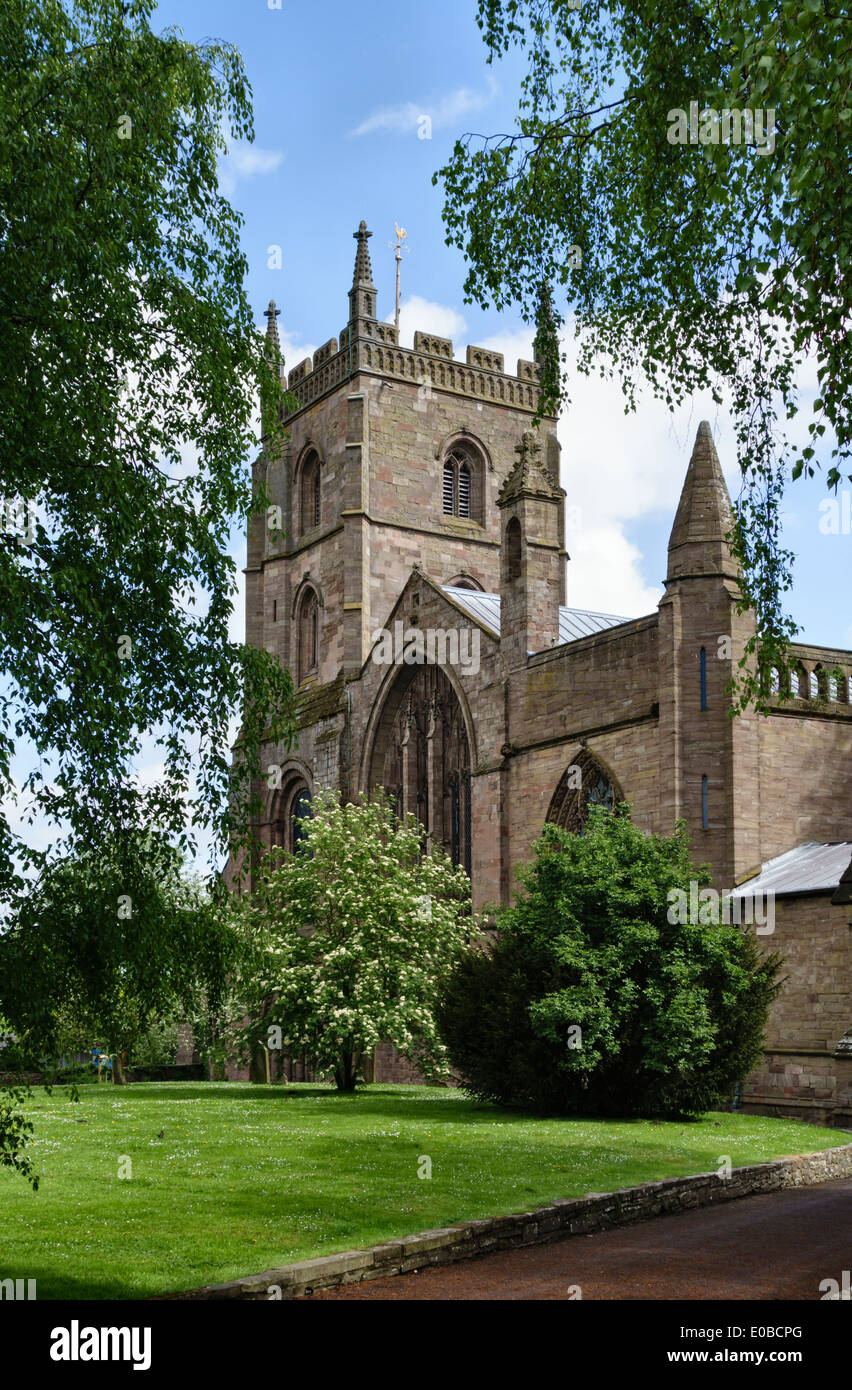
(420, 490)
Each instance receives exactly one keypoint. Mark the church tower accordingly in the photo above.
(394, 458)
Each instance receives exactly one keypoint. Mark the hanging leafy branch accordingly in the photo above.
(132, 381)
(715, 264)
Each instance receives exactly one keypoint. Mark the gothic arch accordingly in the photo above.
(420, 749)
(464, 466)
(388, 699)
(296, 786)
(468, 440)
(586, 781)
(465, 581)
(305, 637)
(307, 582)
(307, 489)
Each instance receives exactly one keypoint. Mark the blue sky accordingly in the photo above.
(339, 92)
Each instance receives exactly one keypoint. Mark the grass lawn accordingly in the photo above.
(248, 1177)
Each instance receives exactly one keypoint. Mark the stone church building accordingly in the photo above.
(422, 513)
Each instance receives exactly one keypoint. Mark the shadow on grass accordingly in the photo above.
(388, 1099)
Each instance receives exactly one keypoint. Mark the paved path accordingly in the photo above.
(779, 1245)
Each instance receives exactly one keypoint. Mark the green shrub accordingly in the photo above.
(593, 1001)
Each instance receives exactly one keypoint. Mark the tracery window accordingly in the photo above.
(583, 784)
(422, 758)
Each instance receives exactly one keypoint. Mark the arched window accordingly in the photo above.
(460, 484)
(820, 683)
(584, 783)
(422, 757)
(308, 635)
(834, 689)
(774, 681)
(310, 493)
(799, 681)
(293, 803)
(513, 549)
(300, 808)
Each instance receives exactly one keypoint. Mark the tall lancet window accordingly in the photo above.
(308, 635)
(310, 493)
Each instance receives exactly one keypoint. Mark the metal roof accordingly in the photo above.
(573, 622)
(809, 868)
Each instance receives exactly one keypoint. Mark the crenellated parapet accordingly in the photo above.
(366, 344)
(374, 348)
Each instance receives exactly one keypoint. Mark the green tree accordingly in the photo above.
(593, 1000)
(710, 264)
(350, 938)
(116, 941)
(130, 376)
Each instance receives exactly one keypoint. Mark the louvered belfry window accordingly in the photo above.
(449, 489)
(458, 485)
(464, 490)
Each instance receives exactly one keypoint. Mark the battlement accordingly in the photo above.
(366, 344)
(372, 346)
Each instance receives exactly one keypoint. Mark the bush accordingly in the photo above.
(593, 1001)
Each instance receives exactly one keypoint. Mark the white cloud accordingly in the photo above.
(416, 314)
(604, 572)
(446, 111)
(514, 347)
(619, 469)
(245, 161)
(293, 349)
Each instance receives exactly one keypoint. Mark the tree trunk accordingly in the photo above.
(346, 1073)
(119, 1079)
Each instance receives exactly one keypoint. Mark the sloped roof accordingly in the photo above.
(809, 868)
(573, 622)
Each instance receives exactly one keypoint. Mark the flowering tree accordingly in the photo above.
(351, 938)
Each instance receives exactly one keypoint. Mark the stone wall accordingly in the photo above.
(800, 1074)
(565, 1217)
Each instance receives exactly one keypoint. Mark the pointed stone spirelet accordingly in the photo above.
(362, 296)
(363, 275)
(271, 314)
(528, 478)
(697, 544)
